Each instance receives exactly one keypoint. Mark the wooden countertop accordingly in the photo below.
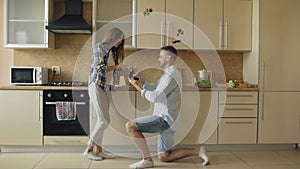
(119, 88)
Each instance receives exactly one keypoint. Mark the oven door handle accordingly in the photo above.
(53, 103)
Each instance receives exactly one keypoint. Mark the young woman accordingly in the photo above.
(111, 48)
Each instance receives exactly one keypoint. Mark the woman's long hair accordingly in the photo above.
(111, 37)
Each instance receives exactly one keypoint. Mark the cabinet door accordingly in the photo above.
(26, 29)
(179, 23)
(237, 24)
(199, 113)
(279, 118)
(20, 122)
(121, 17)
(196, 122)
(237, 131)
(122, 109)
(279, 52)
(208, 24)
(150, 25)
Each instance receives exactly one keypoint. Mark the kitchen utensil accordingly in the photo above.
(205, 74)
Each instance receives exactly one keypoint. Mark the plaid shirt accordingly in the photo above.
(98, 65)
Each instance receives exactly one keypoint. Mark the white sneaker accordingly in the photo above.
(202, 154)
(142, 164)
(105, 156)
(92, 156)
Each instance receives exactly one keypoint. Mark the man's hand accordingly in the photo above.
(135, 83)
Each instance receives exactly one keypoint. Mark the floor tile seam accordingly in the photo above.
(237, 156)
(44, 156)
(195, 164)
(286, 158)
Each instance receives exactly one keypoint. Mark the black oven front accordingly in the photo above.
(54, 125)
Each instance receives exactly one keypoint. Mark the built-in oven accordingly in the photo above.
(65, 113)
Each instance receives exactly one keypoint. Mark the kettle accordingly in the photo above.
(205, 74)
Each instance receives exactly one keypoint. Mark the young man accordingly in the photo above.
(166, 96)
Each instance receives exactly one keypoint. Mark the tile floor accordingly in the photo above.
(279, 159)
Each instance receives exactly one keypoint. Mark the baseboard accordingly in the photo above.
(132, 151)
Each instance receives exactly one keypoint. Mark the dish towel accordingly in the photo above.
(65, 111)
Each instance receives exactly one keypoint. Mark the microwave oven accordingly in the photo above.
(20, 75)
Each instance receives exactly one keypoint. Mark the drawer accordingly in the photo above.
(237, 131)
(65, 140)
(237, 110)
(238, 97)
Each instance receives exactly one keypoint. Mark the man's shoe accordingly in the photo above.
(92, 156)
(202, 154)
(142, 164)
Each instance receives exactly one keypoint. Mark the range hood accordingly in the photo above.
(72, 22)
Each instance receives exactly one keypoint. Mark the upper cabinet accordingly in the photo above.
(117, 13)
(223, 24)
(165, 22)
(150, 23)
(25, 22)
(179, 23)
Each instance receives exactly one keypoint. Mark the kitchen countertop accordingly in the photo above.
(120, 88)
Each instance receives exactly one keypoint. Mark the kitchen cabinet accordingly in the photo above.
(122, 109)
(279, 118)
(199, 113)
(237, 117)
(169, 20)
(25, 22)
(179, 23)
(145, 108)
(21, 117)
(197, 120)
(223, 24)
(150, 25)
(279, 55)
(122, 17)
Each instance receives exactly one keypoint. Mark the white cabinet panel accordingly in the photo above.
(279, 118)
(223, 24)
(279, 49)
(21, 119)
(122, 109)
(25, 22)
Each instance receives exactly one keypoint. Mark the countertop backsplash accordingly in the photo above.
(73, 53)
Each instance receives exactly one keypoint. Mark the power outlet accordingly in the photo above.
(56, 69)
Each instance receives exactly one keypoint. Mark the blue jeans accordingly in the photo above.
(156, 124)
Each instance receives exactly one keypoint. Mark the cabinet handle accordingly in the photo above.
(261, 106)
(263, 66)
(239, 122)
(261, 100)
(238, 109)
(162, 31)
(168, 28)
(235, 95)
(221, 35)
(66, 141)
(53, 103)
(226, 35)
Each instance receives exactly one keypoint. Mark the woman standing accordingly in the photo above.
(111, 47)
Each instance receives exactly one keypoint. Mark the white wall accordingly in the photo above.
(251, 59)
(6, 55)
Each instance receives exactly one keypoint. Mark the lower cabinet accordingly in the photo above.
(279, 118)
(199, 116)
(65, 140)
(237, 131)
(122, 109)
(237, 117)
(21, 119)
(196, 122)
